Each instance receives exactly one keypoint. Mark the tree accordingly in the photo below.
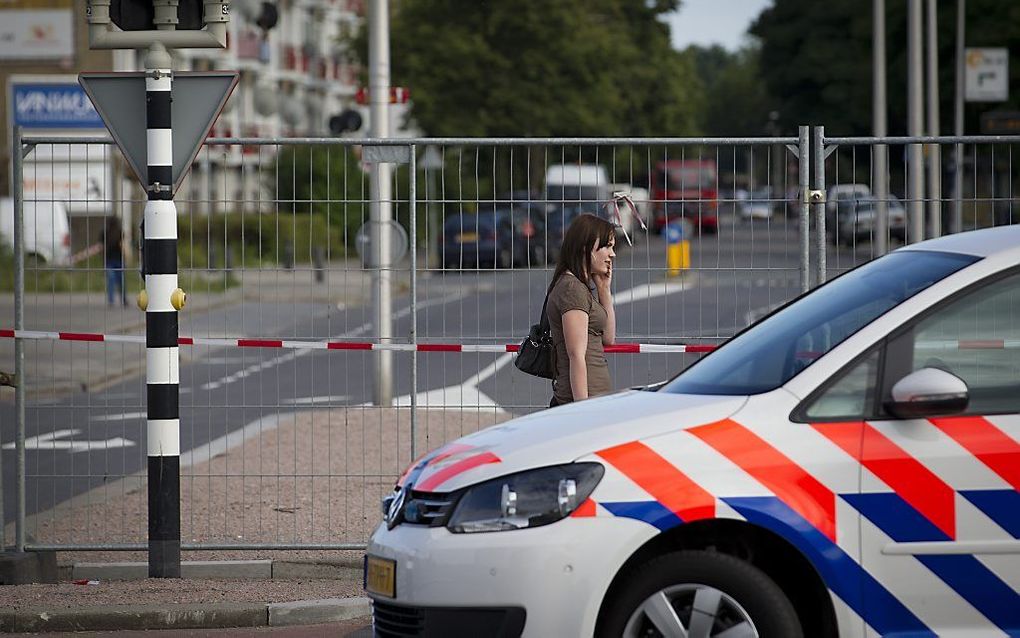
(736, 101)
(562, 68)
(816, 60)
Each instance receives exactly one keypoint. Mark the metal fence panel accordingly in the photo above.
(284, 444)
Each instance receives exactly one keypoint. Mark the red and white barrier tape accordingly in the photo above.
(627, 348)
(620, 348)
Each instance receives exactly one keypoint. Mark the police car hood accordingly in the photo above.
(563, 434)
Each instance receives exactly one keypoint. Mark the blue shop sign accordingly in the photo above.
(53, 106)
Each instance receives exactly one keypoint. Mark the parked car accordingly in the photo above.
(758, 205)
(846, 466)
(839, 193)
(500, 237)
(47, 231)
(856, 220)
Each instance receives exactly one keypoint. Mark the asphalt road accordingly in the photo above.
(737, 276)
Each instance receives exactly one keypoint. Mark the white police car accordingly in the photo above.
(848, 466)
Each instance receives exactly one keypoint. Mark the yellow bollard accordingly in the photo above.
(678, 251)
(674, 258)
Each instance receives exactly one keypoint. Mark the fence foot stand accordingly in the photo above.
(21, 568)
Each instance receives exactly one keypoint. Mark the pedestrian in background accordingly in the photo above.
(580, 309)
(113, 259)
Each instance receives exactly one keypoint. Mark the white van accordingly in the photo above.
(584, 184)
(47, 232)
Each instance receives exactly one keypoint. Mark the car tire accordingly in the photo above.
(35, 260)
(729, 591)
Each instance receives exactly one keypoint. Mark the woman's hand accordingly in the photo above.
(603, 281)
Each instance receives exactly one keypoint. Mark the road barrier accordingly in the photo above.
(618, 348)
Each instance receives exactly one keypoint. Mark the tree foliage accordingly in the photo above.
(324, 182)
(736, 101)
(537, 69)
(816, 59)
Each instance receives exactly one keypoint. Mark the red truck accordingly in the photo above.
(686, 189)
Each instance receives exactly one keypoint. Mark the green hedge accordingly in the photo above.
(257, 239)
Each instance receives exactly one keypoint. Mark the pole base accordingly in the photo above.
(164, 559)
(21, 568)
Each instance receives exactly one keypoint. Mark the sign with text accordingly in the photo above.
(51, 104)
(987, 75)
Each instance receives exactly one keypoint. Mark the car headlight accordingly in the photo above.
(526, 499)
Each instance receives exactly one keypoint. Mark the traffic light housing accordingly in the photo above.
(139, 15)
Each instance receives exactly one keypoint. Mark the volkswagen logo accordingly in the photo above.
(396, 506)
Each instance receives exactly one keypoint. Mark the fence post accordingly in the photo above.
(412, 196)
(818, 181)
(17, 188)
(803, 175)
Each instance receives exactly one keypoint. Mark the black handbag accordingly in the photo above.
(535, 356)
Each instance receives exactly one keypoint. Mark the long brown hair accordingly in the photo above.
(583, 234)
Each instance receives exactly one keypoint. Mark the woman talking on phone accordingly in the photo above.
(580, 310)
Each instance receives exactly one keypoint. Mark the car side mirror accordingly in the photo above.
(928, 392)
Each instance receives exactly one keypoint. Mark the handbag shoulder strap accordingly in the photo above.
(543, 322)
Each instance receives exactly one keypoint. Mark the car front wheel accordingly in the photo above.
(698, 594)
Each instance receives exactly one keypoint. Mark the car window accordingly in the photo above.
(977, 338)
(772, 351)
(851, 396)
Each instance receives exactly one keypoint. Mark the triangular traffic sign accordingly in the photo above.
(198, 97)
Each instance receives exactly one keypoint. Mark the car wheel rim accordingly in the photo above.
(690, 611)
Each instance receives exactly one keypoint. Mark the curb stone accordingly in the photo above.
(190, 616)
(117, 617)
(222, 569)
(192, 570)
(317, 612)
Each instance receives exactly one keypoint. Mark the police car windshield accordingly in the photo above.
(770, 353)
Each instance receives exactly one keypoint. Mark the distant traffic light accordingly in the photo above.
(268, 16)
(349, 120)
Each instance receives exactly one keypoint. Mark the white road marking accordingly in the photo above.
(362, 329)
(224, 443)
(220, 361)
(468, 395)
(333, 398)
(650, 291)
(127, 416)
(49, 442)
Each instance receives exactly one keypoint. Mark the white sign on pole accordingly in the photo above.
(78, 175)
(987, 76)
(36, 34)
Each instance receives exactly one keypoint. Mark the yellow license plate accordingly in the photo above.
(381, 576)
(464, 238)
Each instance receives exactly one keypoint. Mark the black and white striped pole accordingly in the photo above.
(120, 24)
(161, 299)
